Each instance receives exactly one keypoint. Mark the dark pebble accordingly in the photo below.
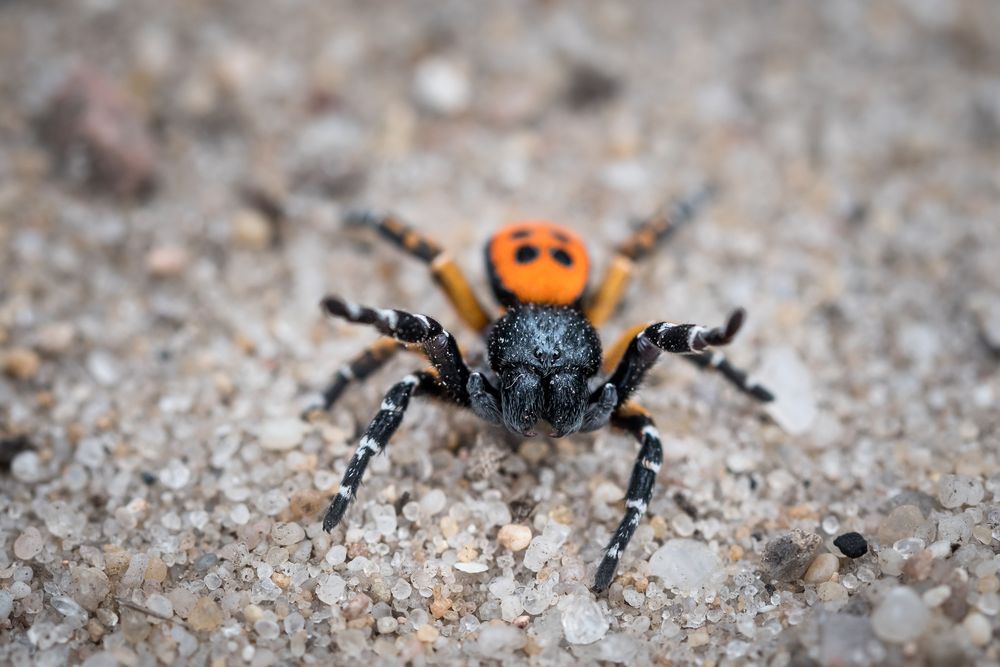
(852, 545)
(148, 478)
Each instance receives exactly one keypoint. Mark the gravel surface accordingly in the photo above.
(172, 177)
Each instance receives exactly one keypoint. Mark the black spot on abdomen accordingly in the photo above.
(562, 257)
(525, 254)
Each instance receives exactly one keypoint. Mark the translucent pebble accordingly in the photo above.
(901, 616)
(175, 475)
(331, 589)
(101, 659)
(545, 546)
(468, 623)
(784, 373)
(19, 590)
(633, 597)
(385, 519)
(583, 621)
(90, 452)
(266, 628)
(411, 511)
(908, 546)
(336, 555)
(286, 534)
(685, 565)
(830, 525)
(433, 502)
(954, 529)
(212, 581)
(205, 615)
(471, 568)
(28, 544)
(683, 525)
(281, 434)
(978, 628)
(935, 597)
(497, 638)
(737, 648)
(401, 589)
(67, 606)
(272, 502)
(387, 625)
(669, 629)
(160, 605)
(239, 514)
(27, 467)
(6, 604)
(957, 490)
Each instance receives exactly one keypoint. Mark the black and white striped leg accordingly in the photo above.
(374, 440)
(437, 343)
(640, 489)
(358, 369)
(738, 378)
(660, 337)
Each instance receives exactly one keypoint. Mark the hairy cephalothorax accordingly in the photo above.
(545, 359)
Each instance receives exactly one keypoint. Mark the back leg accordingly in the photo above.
(375, 438)
(358, 369)
(446, 272)
(653, 232)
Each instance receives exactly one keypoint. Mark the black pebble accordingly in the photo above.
(148, 477)
(852, 545)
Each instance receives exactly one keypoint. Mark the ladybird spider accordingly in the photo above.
(543, 350)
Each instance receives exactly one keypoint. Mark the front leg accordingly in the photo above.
(655, 339)
(437, 343)
(636, 421)
(376, 437)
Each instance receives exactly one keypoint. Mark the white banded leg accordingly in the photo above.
(374, 440)
(640, 490)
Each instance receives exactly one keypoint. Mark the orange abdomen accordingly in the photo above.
(537, 262)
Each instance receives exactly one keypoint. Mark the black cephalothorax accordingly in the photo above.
(544, 353)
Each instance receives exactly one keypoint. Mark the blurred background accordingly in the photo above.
(172, 177)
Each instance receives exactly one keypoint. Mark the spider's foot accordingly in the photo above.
(334, 513)
(605, 573)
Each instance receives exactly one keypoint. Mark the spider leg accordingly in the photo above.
(358, 369)
(637, 422)
(602, 405)
(437, 343)
(646, 347)
(484, 400)
(444, 269)
(375, 438)
(738, 378)
(709, 360)
(651, 233)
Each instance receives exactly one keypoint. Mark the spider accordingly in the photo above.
(543, 350)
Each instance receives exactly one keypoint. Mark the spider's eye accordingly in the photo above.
(525, 254)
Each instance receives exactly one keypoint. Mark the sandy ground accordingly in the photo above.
(159, 330)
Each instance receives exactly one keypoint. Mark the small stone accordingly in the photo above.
(97, 133)
(901, 616)
(903, 522)
(790, 380)
(20, 363)
(497, 638)
(6, 605)
(387, 625)
(287, 534)
(685, 565)
(979, 628)
(583, 621)
(28, 544)
(442, 86)
(957, 490)
(166, 261)
(831, 591)
(160, 605)
(103, 368)
(935, 597)
(822, 568)
(331, 589)
(787, 557)
(852, 545)
(55, 338)
(699, 637)
(607, 493)
(545, 546)
(91, 587)
(515, 537)
(471, 568)
(251, 230)
(281, 434)
(433, 502)
(427, 633)
(205, 616)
